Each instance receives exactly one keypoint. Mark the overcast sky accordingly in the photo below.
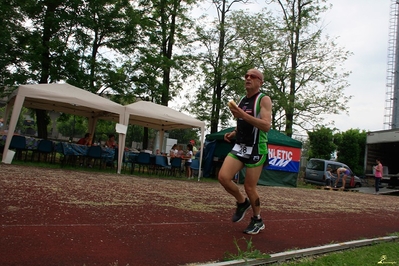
(362, 27)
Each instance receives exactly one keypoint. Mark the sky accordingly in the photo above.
(362, 27)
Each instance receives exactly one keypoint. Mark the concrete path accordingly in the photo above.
(383, 190)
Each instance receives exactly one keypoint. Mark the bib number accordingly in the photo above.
(242, 150)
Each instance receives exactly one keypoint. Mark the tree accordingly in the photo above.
(155, 71)
(222, 72)
(321, 143)
(64, 41)
(105, 25)
(351, 147)
(302, 69)
(72, 126)
(45, 37)
(184, 135)
(13, 42)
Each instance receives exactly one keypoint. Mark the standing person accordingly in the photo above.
(253, 114)
(345, 172)
(378, 175)
(329, 177)
(188, 157)
(180, 152)
(195, 150)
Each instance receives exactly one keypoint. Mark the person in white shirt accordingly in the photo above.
(188, 158)
(173, 151)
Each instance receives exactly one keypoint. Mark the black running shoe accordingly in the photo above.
(241, 210)
(254, 226)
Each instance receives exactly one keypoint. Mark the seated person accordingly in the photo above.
(173, 152)
(86, 140)
(111, 143)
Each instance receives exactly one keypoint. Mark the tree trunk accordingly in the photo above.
(218, 72)
(42, 118)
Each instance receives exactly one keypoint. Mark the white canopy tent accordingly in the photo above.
(162, 118)
(61, 98)
(72, 100)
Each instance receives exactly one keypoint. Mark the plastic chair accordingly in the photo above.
(194, 167)
(175, 166)
(126, 160)
(144, 160)
(18, 143)
(161, 164)
(95, 153)
(132, 160)
(44, 147)
(110, 160)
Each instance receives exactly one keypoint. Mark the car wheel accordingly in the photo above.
(357, 185)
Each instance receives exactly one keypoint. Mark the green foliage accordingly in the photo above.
(321, 143)
(20, 127)
(134, 133)
(184, 135)
(72, 126)
(351, 146)
(103, 130)
(12, 46)
(145, 49)
(301, 68)
(69, 125)
(249, 253)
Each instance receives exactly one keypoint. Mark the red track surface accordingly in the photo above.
(56, 217)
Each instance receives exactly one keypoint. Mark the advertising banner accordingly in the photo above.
(282, 158)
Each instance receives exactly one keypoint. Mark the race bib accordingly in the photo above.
(242, 150)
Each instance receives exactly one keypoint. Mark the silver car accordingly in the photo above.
(316, 173)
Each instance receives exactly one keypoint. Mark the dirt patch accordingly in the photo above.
(60, 217)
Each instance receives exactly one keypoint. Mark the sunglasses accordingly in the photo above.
(252, 76)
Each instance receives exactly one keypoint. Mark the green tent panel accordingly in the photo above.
(274, 178)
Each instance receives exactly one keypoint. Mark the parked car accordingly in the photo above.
(315, 173)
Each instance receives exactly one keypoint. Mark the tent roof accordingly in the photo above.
(274, 137)
(160, 117)
(67, 99)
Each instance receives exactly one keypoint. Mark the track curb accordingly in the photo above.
(283, 256)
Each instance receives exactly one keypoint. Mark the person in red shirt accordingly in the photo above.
(86, 140)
